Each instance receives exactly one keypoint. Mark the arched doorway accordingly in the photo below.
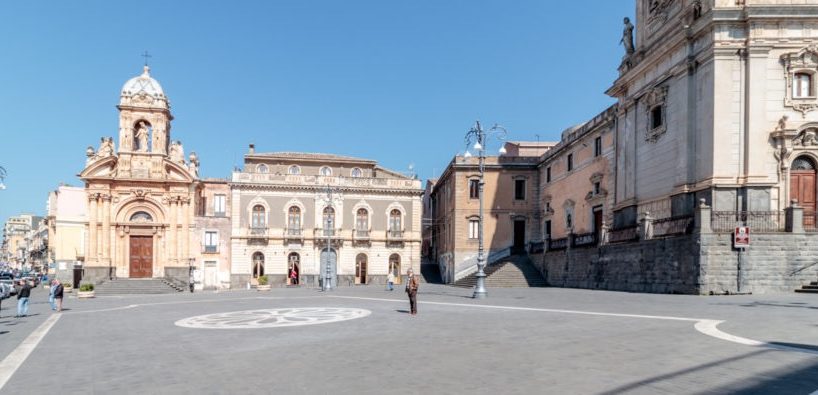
(258, 265)
(803, 188)
(360, 269)
(328, 258)
(394, 267)
(293, 268)
(140, 246)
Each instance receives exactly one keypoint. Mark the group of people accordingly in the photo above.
(411, 288)
(55, 296)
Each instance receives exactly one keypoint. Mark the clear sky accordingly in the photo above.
(399, 82)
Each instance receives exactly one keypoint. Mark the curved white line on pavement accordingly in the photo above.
(12, 362)
(704, 326)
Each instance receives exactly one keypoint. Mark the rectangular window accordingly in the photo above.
(597, 146)
(548, 174)
(596, 188)
(218, 205)
(474, 189)
(656, 119)
(547, 230)
(519, 189)
(570, 162)
(211, 241)
(474, 228)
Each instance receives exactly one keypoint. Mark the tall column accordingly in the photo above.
(91, 253)
(172, 231)
(100, 235)
(185, 234)
(106, 227)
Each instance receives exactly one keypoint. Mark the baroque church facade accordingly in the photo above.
(141, 192)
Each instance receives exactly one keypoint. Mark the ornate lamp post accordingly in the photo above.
(479, 137)
(328, 231)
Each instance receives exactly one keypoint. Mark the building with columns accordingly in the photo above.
(287, 208)
(140, 192)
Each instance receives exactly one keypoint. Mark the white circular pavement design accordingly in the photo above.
(273, 318)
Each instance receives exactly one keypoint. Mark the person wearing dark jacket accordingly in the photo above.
(22, 299)
(58, 290)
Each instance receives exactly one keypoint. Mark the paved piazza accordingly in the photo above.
(362, 340)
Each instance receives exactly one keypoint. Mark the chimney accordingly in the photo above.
(252, 149)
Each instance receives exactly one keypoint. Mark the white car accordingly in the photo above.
(5, 290)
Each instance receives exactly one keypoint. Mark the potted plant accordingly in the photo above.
(263, 283)
(86, 291)
(67, 288)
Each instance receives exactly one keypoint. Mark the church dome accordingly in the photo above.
(143, 84)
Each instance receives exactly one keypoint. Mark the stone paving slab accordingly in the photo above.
(108, 345)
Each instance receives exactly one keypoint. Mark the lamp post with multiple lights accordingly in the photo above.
(479, 137)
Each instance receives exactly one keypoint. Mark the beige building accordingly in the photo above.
(211, 252)
(67, 224)
(511, 209)
(288, 207)
(15, 244)
(141, 192)
(575, 177)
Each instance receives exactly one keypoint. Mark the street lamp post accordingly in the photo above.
(479, 137)
(328, 230)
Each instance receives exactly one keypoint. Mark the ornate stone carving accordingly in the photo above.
(106, 147)
(655, 101)
(806, 61)
(658, 10)
(807, 138)
(193, 167)
(177, 152)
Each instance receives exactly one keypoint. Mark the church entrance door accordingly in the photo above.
(803, 188)
(141, 260)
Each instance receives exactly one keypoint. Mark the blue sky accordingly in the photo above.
(399, 82)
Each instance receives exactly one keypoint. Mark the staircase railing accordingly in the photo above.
(492, 258)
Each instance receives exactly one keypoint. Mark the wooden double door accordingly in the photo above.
(141, 257)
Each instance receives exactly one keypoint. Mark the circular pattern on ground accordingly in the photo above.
(273, 318)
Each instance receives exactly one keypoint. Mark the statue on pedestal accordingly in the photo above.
(193, 167)
(627, 37)
(106, 147)
(177, 152)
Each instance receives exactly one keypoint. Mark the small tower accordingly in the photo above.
(144, 127)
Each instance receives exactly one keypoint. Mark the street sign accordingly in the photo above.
(741, 237)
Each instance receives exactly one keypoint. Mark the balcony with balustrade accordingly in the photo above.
(361, 235)
(293, 235)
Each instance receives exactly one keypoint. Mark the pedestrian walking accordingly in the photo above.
(412, 290)
(51, 300)
(390, 281)
(58, 291)
(293, 276)
(22, 298)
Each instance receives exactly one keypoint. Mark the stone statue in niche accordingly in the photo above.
(106, 147)
(177, 152)
(142, 137)
(193, 167)
(627, 37)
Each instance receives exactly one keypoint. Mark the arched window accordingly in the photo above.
(294, 219)
(258, 264)
(258, 219)
(802, 85)
(357, 173)
(294, 170)
(395, 221)
(141, 216)
(802, 163)
(360, 269)
(293, 268)
(329, 220)
(262, 168)
(362, 220)
(325, 171)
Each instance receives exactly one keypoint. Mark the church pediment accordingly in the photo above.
(177, 172)
(103, 167)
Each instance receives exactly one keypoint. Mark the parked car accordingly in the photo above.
(5, 291)
(10, 285)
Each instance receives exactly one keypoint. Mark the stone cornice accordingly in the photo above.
(320, 188)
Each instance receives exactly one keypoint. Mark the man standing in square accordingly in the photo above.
(412, 290)
(22, 298)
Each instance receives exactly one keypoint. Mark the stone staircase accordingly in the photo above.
(137, 286)
(516, 271)
(812, 288)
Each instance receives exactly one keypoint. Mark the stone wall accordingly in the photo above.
(690, 264)
(774, 263)
(661, 265)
